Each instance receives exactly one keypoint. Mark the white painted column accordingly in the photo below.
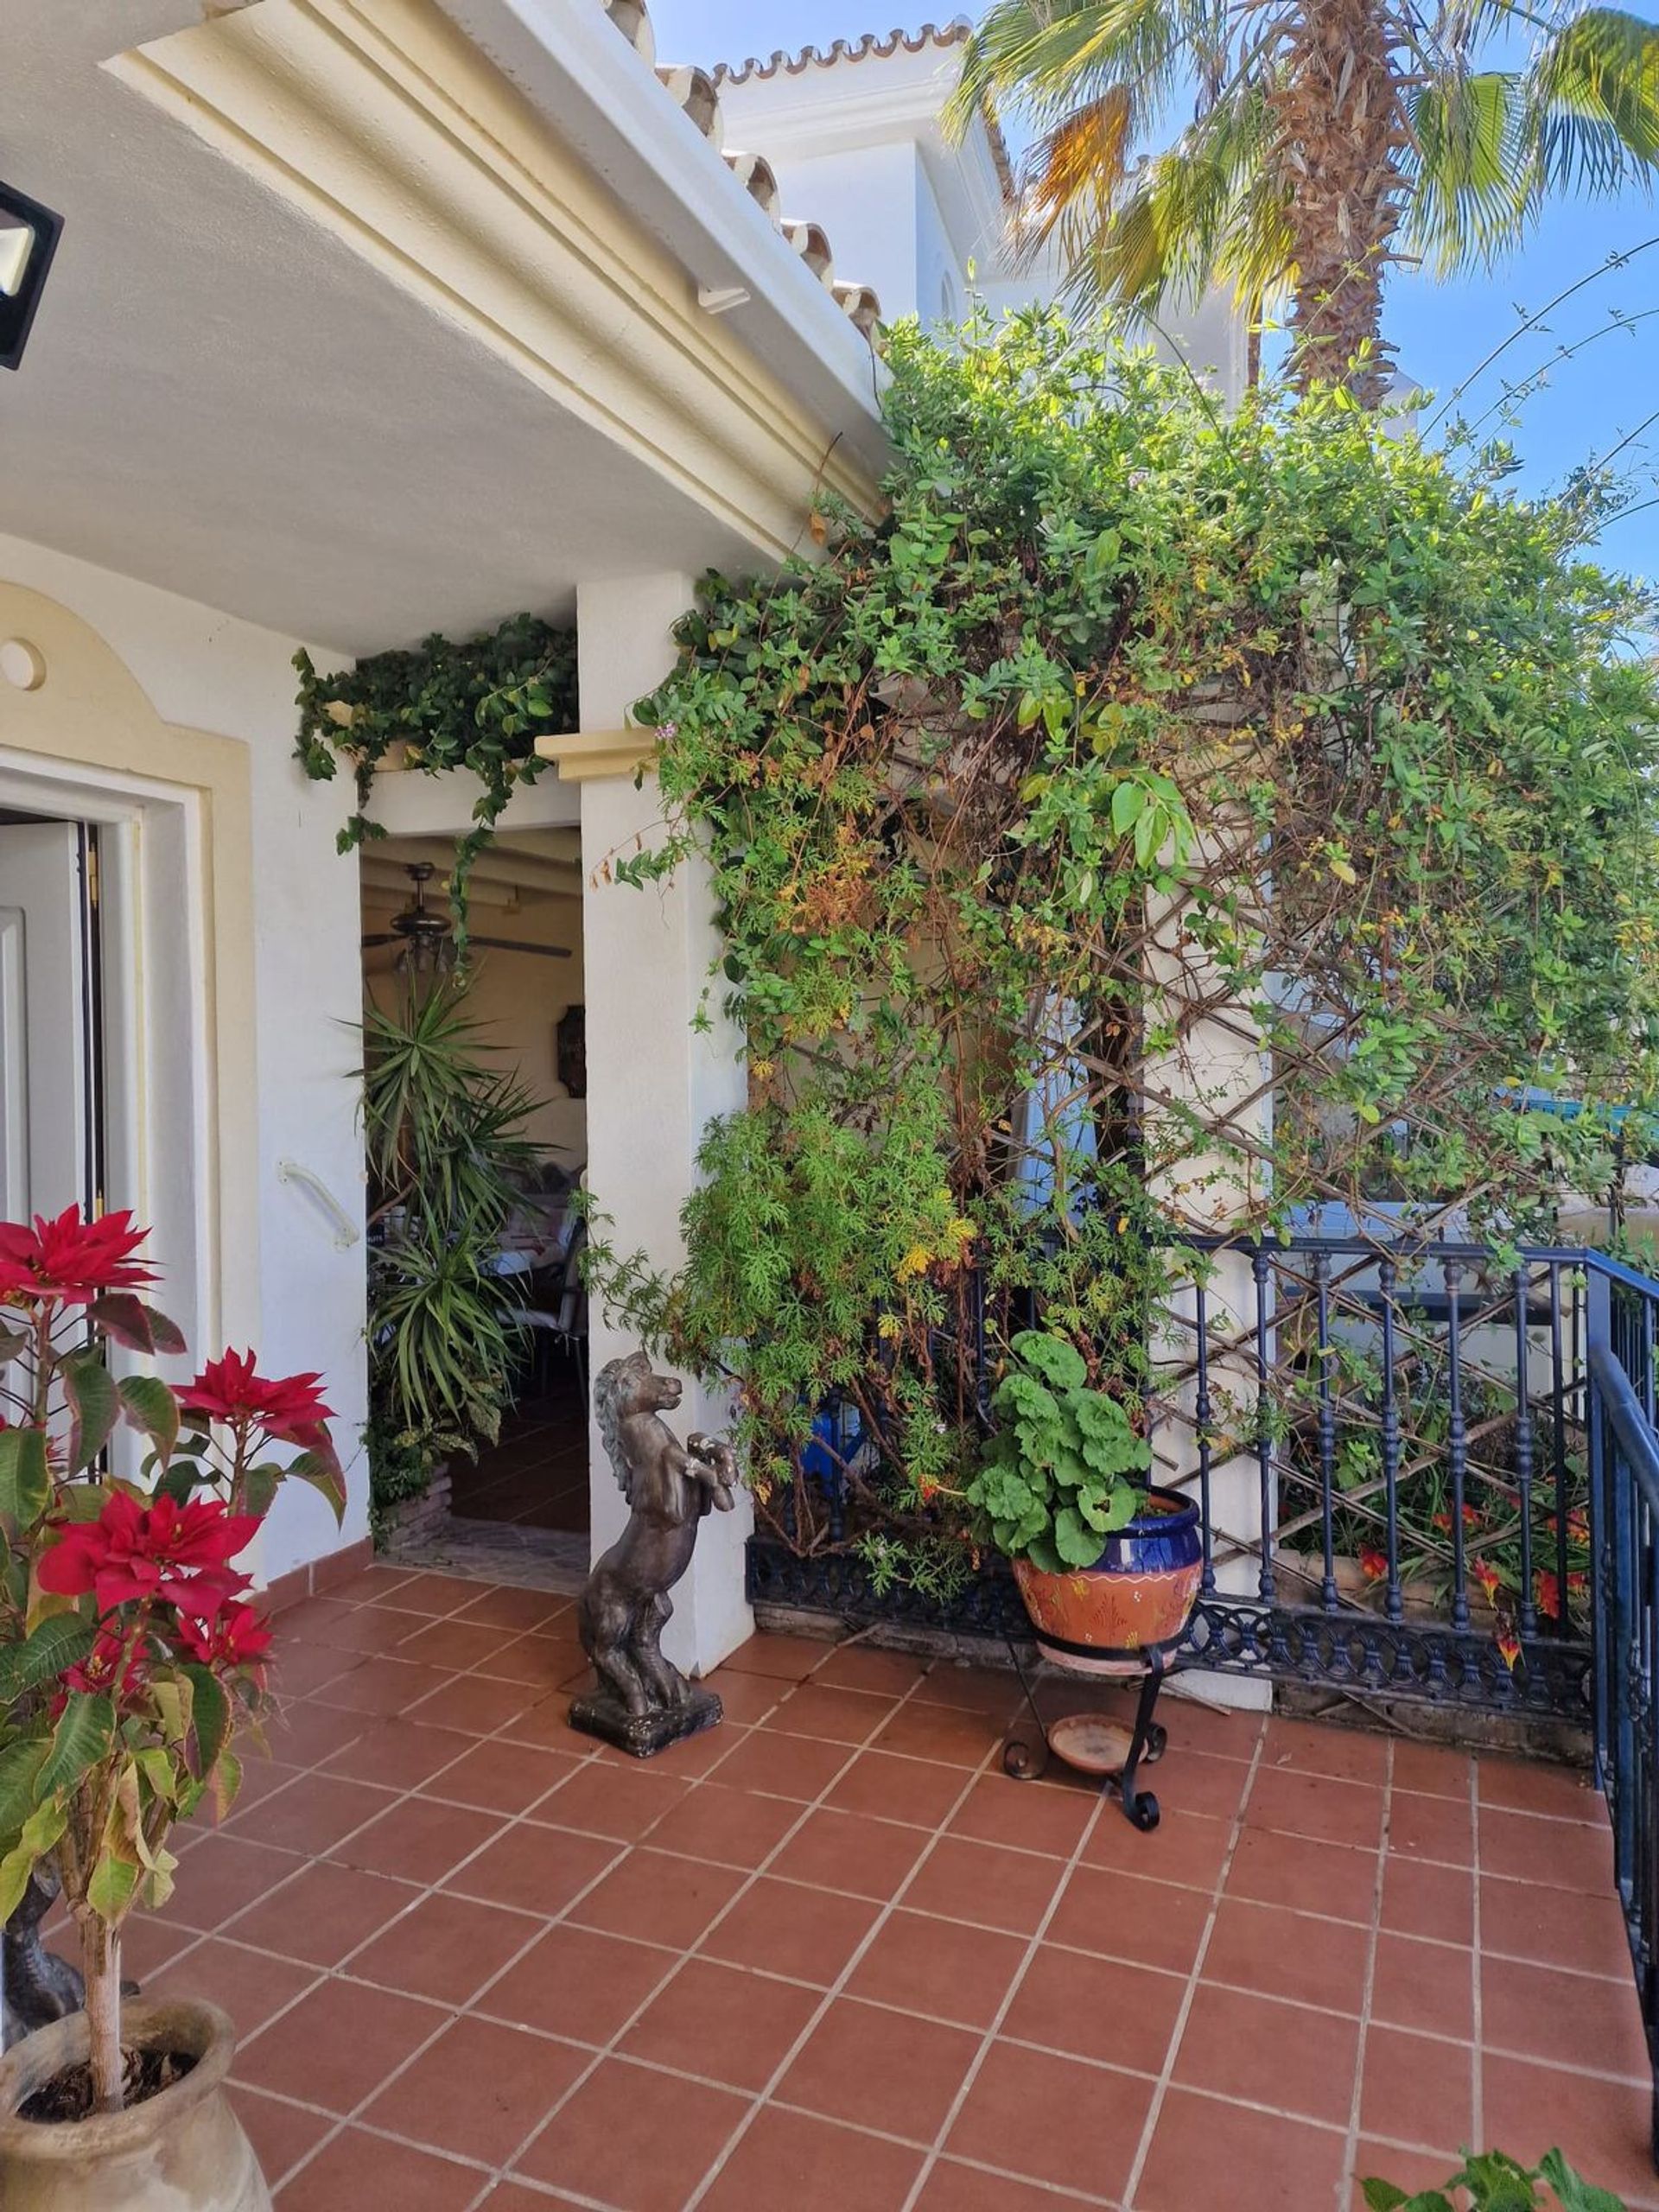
(654, 1081)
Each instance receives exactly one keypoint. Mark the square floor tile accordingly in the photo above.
(1204, 2153)
(1441, 1828)
(1190, 1848)
(1333, 1880)
(1565, 2019)
(599, 2143)
(223, 1873)
(1318, 1805)
(475, 1705)
(985, 1884)
(1262, 1947)
(1096, 2008)
(878, 2070)
(622, 1803)
(1567, 1854)
(1262, 2051)
(729, 1828)
(657, 1899)
(866, 1858)
(381, 1686)
(918, 1730)
(337, 2044)
(919, 1791)
(398, 1754)
(1025, 1817)
(1121, 1917)
(419, 1839)
(781, 1927)
(578, 1984)
(953, 2188)
(837, 1716)
(312, 1813)
(1427, 1987)
(455, 1645)
(534, 1869)
(1055, 2120)
(1534, 1786)
(1424, 1900)
(519, 1610)
(927, 1966)
(725, 2023)
(251, 1985)
(281, 2133)
(478, 2090)
(359, 2169)
(1417, 2088)
(446, 1947)
(1319, 1747)
(788, 1658)
(324, 1913)
(867, 1667)
(1554, 1927)
(790, 2159)
(1432, 1770)
(500, 1777)
(1602, 2126)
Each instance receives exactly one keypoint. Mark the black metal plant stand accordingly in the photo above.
(1144, 1744)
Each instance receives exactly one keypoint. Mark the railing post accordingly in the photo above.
(1598, 1335)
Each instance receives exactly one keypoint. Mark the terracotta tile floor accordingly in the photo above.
(828, 1959)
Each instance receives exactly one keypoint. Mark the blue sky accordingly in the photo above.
(1441, 332)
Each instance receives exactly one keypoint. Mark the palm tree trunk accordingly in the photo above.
(1341, 132)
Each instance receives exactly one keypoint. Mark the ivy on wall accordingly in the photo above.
(479, 705)
(1140, 768)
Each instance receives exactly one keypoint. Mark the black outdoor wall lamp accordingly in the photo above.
(29, 239)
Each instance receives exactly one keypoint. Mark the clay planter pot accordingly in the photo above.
(1137, 1598)
(183, 2150)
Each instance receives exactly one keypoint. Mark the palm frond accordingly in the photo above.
(1594, 96)
(1073, 177)
(1049, 58)
(1469, 176)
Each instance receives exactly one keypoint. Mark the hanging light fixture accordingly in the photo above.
(29, 239)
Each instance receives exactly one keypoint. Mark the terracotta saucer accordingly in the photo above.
(1091, 1743)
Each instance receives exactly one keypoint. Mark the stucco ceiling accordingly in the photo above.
(223, 399)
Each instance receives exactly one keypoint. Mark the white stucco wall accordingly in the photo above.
(299, 1297)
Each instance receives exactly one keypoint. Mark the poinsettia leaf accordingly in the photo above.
(85, 1731)
(12, 1342)
(135, 1325)
(210, 1722)
(113, 1886)
(152, 1409)
(20, 1766)
(182, 1478)
(25, 1476)
(94, 1404)
(41, 1832)
(63, 1640)
(322, 1470)
(259, 1488)
(224, 1783)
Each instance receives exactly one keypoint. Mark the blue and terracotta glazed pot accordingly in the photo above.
(1137, 1598)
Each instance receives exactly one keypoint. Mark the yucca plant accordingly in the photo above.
(443, 1131)
(1326, 142)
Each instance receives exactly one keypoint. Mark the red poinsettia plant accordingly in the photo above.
(130, 1655)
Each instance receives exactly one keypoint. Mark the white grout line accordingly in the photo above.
(1350, 2150)
(1154, 2111)
(1478, 2086)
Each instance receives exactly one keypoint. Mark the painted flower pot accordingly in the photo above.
(1137, 1598)
(180, 2151)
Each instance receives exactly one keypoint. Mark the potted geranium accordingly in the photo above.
(129, 1661)
(1108, 1565)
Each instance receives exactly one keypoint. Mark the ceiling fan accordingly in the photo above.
(428, 936)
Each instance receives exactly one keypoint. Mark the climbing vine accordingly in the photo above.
(1156, 820)
(479, 705)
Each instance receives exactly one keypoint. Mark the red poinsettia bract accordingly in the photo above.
(230, 1389)
(178, 1554)
(235, 1635)
(113, 1668)
(71, 1261)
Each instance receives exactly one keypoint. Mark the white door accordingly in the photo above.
(45, 974)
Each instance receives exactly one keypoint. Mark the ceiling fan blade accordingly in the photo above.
(510, 944)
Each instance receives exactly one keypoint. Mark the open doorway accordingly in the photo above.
(52, 1124)
(521, 997)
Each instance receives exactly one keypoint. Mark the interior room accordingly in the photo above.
(523, 997)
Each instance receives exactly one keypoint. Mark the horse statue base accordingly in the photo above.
(645, 1734)
(641, 1703)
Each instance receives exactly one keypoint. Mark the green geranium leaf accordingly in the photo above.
(1059, 1363)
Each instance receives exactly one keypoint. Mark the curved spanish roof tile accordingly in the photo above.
(783, 63)
(696, 92)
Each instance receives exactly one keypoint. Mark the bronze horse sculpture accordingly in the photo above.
(643, 1701)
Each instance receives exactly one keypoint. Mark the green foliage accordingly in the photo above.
(443, 1134)
(1127, 731)
(1054, 1483)
(1496, 2182)
(480, 705)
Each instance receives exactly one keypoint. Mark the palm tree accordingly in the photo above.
(1328, 139)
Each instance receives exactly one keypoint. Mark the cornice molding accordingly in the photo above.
(584, 755)
(387, 127)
